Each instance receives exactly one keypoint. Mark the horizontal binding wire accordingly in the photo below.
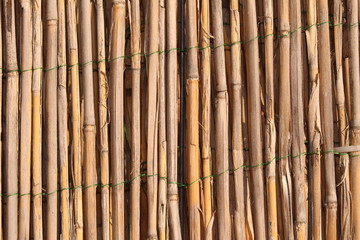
(181, 50)
(178, 183)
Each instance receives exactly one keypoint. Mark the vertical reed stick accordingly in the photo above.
(270, 130)
(237, 140)
(205, 116)
(1, 143)
(103, 121)
(135, 131)
(11, 124)
(172, 118)
(297, 124)
(253, 73)
(89, 122)
(75, 116)
(192, 123)
(63, 127)
(25, 118)
(327, 120)
(344, 184)
(284, 122)
(153, 59)
(162, 205)
(37, 214)
(117, 46)
(221, 125)
(314, 124)
(51, 118)
(353, 16)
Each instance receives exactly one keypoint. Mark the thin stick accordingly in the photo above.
(284, 122)
(51, 118)
(103, 121)
(75, 116)
(221, 129)
(162, 205)
(117, 45)
(270, 130)
(253, 72)
(172, 126)
(63, 127)
(297, 124)
(1, 143)
(237, 144)
(205, 120)
(36, 123)
(327, 120)
(353, 16)
(153, 7)
(25, 124)
(192, 123)
(314, 124)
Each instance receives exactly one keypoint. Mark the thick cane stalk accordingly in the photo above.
(103, 121)
(37, 216)
(117, 46)
(25, 124)
(297, 124)
(270, 131)
(221, 125)
(192, 122)
(237, 144)
(327, 120)
(253, 72)
(89, 122)
(172, 125)
(284, 122)
(205, 117)
(314, 124)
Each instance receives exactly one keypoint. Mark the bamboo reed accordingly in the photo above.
(221, 122)
(252, 51)
(152, 165)
(353, 16)
(36, 122)
(25, 119)
(103, 121)
(237, 145)
(172, 116)
(327, 120)
(62, 124)
(117, 45)
(284, 122)
(192, 120)
(343, 161)
(72, 45)
(314, 124)
(270, 130)
(51, 79)
(297, 124)
(162, 142)
(1, 126)
(205, 117)
(11, 123)
(89, 122)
